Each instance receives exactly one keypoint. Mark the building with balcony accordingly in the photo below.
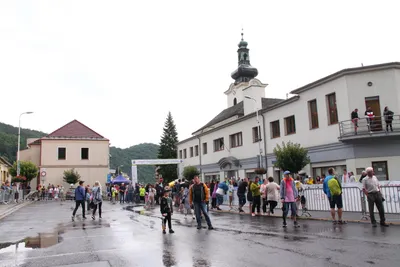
(317, 116)
(73, 146)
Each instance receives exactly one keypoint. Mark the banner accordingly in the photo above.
(156, 161)
(134, 175)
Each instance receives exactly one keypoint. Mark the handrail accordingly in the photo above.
(369, 126)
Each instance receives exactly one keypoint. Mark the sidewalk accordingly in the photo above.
(354, 217)
(7, 209)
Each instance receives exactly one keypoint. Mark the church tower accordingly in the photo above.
(246, 87)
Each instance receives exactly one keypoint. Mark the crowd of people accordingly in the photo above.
(193, 198)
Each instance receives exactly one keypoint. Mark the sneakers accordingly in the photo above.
(210, 227)
(384, 224)
(193, 217)
(73, 218)
(198, 227)
(284, 225)
(93, 218)
(253, 214)
(342, 222)
(296, 224)
(164, 232)
(171, 231)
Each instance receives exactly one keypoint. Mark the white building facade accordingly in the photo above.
(317, 117)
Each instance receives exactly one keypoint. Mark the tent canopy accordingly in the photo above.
(120, 179)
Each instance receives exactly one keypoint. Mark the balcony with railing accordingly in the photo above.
(369, 128)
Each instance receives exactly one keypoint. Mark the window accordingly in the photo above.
(196, 151)
(290, 125)
(184, 153)
(219, 144)
(234, 101)
(332, 109)
(236, 140)
(275, 129)
(204, 148)
(381, 170)
(191, 152)
(256, 138)
(313, 113)
(180, 154)
(84, 153)
(62, 153)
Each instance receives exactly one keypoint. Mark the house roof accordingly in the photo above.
(237, 110)
(5, 162)
(73, 130)
(344, 72)
(36, 142)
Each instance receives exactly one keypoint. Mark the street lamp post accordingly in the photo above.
(258, 130)
(19, 139)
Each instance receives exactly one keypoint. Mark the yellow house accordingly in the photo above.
(72, 146)
(4, 166)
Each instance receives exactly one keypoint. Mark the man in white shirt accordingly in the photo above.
(371, 189)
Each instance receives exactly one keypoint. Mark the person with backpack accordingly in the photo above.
(97, 199)
(166, 210)
(289, 195)
(333, 190)
(221, 192)
(198, 197)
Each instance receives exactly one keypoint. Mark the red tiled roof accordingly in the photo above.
(75, 129)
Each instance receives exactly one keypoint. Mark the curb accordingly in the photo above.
(304, 218)
(14, 209)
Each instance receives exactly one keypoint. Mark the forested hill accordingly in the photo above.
(9, 140)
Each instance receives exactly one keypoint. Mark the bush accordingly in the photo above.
(190, 172)
(71, 176)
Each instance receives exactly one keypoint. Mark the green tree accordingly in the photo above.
(168, 150)
(27, 170)
(71, 176)
(189, 172)
(291, 157)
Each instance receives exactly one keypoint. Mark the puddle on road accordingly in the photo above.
(43, 240)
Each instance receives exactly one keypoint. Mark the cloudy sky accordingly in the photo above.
(120, 66)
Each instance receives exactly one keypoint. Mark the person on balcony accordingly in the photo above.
(388, 114)
(369, 115)
(354, 119)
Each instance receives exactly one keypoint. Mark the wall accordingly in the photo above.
(384, 85)
(31, 154)
(98, 153)
(393, 165)
(325, 134)
(89, 175)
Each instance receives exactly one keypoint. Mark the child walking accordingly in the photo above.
(166, 210)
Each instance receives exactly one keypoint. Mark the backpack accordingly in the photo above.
(334, 187)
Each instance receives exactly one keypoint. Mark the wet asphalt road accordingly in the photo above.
(43, 234)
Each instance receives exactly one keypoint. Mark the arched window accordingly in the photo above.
(234, 101)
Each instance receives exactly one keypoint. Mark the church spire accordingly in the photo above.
(245, 72)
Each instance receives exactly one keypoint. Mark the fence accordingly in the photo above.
(354, 199)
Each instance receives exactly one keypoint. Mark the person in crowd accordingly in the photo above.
(241, 193)
(250, 196)
(198, 196)
(371, 189)
(79, 200)
(152, 194)
(122, 191)
(272, 190)
(288, 194)
(369, 116)
(255, 191)
(88, 192)
(167, 211)
(142, 193)
(300, 190)
(354, 119)
(263, 191)
(214, 196)
(333, 191)
(363, 175)
(187, 208)
(388, 115)
(345, 177)
(97, 198)
(220, 193)
(231, 189)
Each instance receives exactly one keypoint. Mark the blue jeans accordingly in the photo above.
(201, 208)
(220, 199)
(286, 206)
